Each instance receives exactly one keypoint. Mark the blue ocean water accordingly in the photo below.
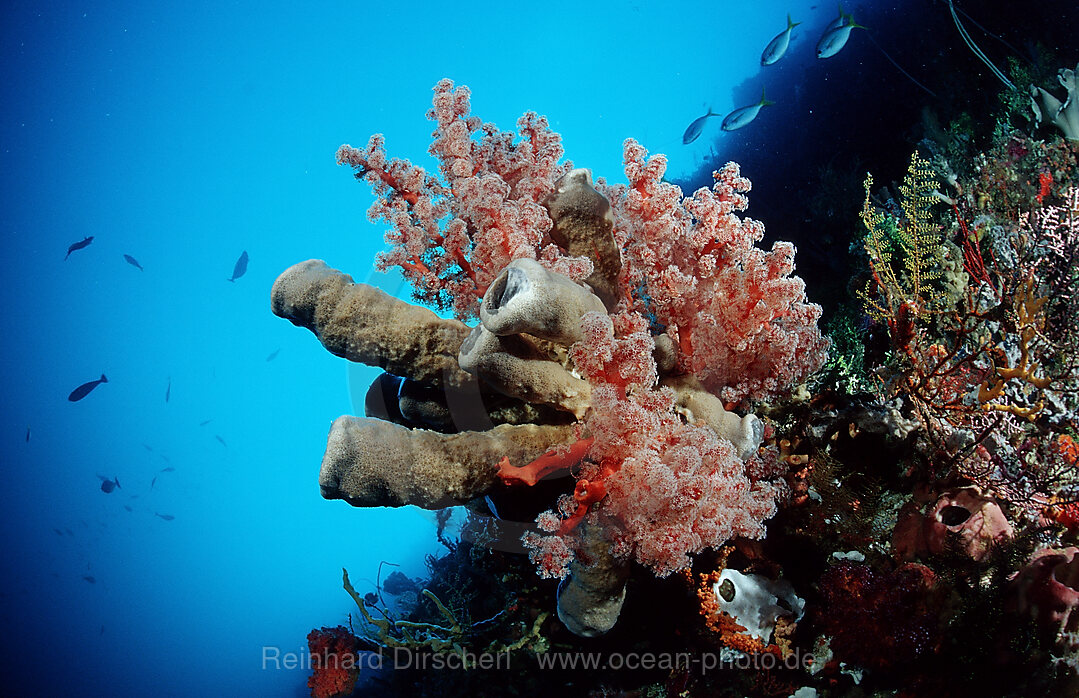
(183, 134)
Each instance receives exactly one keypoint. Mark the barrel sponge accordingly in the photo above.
(373, 463)
(364, 324)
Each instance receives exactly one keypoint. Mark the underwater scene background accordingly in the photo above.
(708, 479)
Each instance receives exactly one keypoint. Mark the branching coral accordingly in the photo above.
(614, 322)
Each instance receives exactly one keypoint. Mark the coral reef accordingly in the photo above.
(629, 394)
(578, 288)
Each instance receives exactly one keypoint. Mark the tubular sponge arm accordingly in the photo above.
(363, 324)
(372, 463)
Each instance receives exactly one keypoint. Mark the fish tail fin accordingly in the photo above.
(104, 379)
(790, 24)
(765, 102)
(230, 280)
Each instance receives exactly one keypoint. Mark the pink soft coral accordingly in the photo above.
(741, 322)
(452, 237)
(672, 488)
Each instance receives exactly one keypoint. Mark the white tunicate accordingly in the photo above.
(755, 605)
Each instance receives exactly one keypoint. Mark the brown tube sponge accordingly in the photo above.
(583, 226)
(590, 598)
(361, 323)
(527, 298)
(515, 367)
(699, 406)
(372, 463)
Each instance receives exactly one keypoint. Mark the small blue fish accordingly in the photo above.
(833, 41)
(241, 266)
(85, 242)
(133, 262)
(205, 422)
(84, 389)
(693, 131)
(128, 507)
(778, 46)
(743, 115)
(90, 579)
(221, 440)
(27, 434)
(108, 485)
(273, 355)
(167, 517)
(168, 390)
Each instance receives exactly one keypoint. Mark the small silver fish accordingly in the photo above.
(693, 131)
(778, 46)
(221, 440)
(273, 355)
(205, 422)
(167, 517)
(133, 262)
(833, 41)
(743, 115)
(241, 266)
(84, 389)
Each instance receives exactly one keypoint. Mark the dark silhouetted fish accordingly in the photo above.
(85, 242)
(133, 262)
(57, 531)
(90, 579)
(102, 631)
(167, 517)
(108, 485)
(221, 440)
(128, 507)
(27, 434)
(84, 389)
(148, 447)
(168, 390)
(205, 422)
(273, 355)
(70, 532)
(241, 266)
(693, 131)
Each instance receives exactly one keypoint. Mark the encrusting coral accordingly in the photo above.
(619, 325)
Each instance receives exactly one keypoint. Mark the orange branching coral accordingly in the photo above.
(1030, 320)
